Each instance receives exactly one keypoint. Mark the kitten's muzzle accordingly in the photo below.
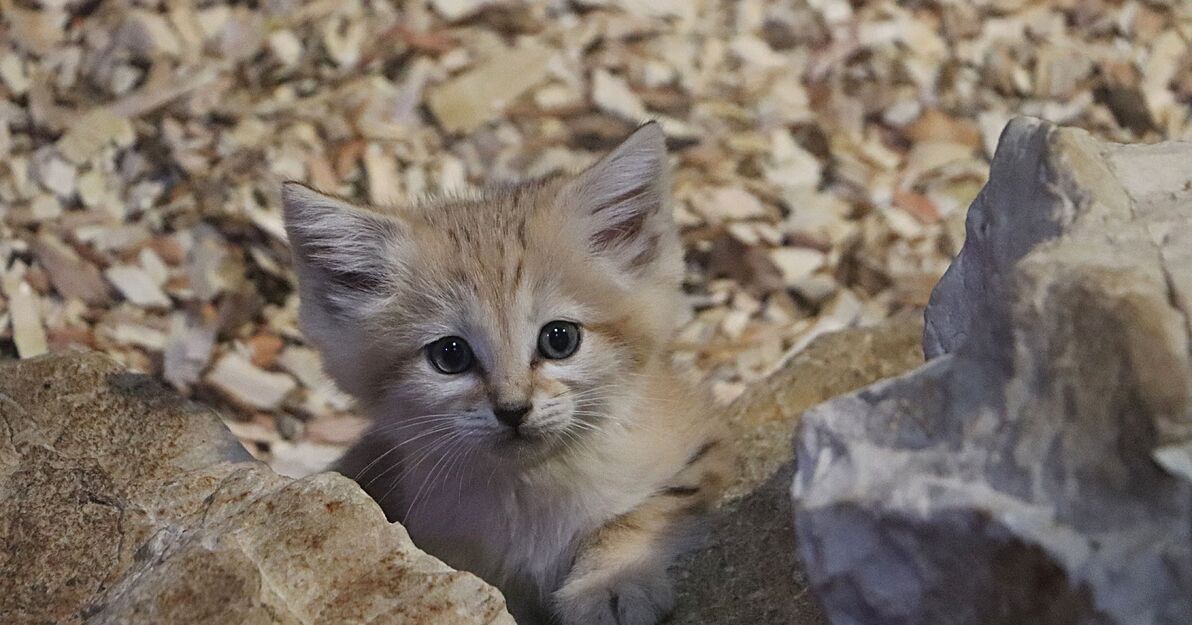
(512, 415)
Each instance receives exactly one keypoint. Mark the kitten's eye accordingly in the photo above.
(450, 355)
(558, 339)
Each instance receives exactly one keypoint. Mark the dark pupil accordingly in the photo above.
(451, 355)
(559, 339)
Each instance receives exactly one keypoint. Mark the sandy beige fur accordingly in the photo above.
(576, 514)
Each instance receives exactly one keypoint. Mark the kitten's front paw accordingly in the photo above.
(637, 599)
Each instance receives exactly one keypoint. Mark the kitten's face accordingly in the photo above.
(510, 323)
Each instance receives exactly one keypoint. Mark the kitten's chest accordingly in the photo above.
(513, 534)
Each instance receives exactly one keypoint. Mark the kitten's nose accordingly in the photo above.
(511, 415)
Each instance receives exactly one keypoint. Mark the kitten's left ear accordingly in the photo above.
(624, 201)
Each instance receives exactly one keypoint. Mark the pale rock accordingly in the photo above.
(246, 384)
(612, 94)
(137, 285)
(746, 572)
(155, 514)
(1040, 466)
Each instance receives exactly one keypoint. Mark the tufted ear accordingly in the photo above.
(343, 255)
(623, 200)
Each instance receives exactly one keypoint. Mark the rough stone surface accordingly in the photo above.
(123, 504)
(1037, 469)
(747, 573)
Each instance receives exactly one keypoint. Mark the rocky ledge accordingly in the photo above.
(125, 504)
(1038, 469)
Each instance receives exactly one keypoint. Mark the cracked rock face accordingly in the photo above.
(124, 504)
(746, 572)
(1039, 468)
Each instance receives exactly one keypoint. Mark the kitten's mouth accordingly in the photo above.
(522, 436)
(526, 443)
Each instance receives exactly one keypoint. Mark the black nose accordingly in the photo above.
(511, 415)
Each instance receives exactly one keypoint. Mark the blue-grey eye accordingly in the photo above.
(558, 339)
(450, 355)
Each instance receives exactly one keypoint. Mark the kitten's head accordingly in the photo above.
(511, 321)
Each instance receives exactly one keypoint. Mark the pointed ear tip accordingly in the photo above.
(292, 190)
(651, 130)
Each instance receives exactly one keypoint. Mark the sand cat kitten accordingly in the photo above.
(513, 350)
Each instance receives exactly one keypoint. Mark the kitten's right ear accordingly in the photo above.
(343, 254)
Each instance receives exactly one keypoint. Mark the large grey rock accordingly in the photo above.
(1037, 470)
(120, 503)
(747, 574)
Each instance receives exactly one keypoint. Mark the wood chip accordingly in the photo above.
(137, 286)
(244, 383)
(27, 330)
(91, 132)
(478, 95)
(612, 94)
(70, 274)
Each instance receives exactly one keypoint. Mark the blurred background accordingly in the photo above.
(825, 152)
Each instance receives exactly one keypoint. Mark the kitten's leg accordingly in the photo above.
(620, 573)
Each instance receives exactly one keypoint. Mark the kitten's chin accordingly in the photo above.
(527, 448)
